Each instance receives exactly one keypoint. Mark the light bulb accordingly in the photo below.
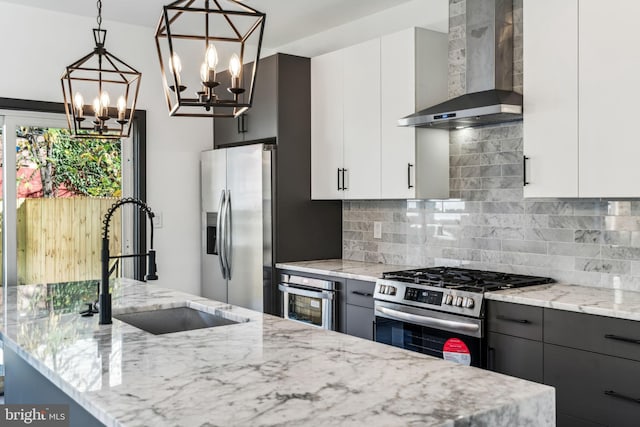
(96, 106)
(122, 107)
(175, 64)
(78, 100)
(104, 99)
(204, 72)
(211, 57)
(234, 66)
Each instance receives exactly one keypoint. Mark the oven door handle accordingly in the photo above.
(305, 292)
(428, 321)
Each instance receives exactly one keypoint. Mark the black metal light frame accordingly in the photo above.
(212, 99)
(110, 72)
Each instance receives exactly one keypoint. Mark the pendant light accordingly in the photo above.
(209, 52)
(103, 77)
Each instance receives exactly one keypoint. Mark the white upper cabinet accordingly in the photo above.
(326, 126)
(362, 121)
(382, 80)
(580, 92)
(609, 98)
(550, 125)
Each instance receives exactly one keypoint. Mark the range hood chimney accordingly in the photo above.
(489, 73)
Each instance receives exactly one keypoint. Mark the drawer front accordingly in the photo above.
(606, 335)
(515, 319)
(518, 357)
(582, 379)
(360, 293)
(360, 321)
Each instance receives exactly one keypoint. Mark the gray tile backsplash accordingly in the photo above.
(487, 223)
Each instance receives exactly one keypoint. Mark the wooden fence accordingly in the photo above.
(59, 240)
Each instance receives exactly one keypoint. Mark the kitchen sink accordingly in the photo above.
(178, 319)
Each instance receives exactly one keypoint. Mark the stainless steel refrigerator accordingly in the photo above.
(236, 218)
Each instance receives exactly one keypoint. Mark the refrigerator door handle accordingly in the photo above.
(220, 234)
(228, 240)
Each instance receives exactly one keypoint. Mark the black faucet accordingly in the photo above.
(105, 295)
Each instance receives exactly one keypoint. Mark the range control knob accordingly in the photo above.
(383, 289)
(468, 303)
(447, 299)
(458, 302)
(391, 290)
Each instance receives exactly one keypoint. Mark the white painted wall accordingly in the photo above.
(36, 45)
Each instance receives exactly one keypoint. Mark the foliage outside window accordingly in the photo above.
(65, 166)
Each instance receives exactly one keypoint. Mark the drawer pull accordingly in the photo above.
(619, 338)
(621, 396)
(362, 294)
(511, 319)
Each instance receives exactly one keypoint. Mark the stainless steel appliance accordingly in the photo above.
(439, 311)
(236, 211)
(307, 300)
(256, 210)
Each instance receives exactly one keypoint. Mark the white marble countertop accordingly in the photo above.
(267, 371)
(367, 271)
(583, 299)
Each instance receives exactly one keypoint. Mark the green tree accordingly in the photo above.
(89, 167)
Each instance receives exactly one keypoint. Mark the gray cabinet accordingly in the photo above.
(359, 309)
(594, 363)
(514, 340)
(261, 120)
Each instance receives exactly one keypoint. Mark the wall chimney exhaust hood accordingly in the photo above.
(489, 73)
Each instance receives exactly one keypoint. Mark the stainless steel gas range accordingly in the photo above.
(440, 310)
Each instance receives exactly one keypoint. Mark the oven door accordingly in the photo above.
(446, 336)
(310, 306)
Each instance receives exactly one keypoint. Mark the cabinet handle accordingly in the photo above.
(339, 179)
(491, 363)
(362, 294)
(344, 182)
(409, 166)
(242, 123)
(624, 339)
(621, 396)
(511, 319)
(524, 171)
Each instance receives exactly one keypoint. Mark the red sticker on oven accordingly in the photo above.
(457, 351)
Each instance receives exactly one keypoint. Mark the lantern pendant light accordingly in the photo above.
(211, 49)
(100, 75)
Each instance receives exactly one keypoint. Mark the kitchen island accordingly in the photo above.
(265, 371)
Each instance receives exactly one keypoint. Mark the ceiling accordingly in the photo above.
(287, 20)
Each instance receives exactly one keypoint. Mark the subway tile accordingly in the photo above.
(620, 252)
(352, 235)
(538, 260)
(511, 144)
(589, 207)
(574, 249)
(394, 237)
(357, 226)
(588, 236)
(622, 223)
(485, 146)
(549, 208)
(619, 208)
(462, 254)
(526, 246)
(480, 171)
(480, 243)
(502, 208)
(353, 255)
(575, 222)
(502, 233)
(512, 169)
(549, 234)
(461, 206)
(536, 221)
(623, 238)
(502, 158)
(603, 265)
(501, 182)
(455, 172)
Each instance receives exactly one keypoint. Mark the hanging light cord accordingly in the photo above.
(99, 19)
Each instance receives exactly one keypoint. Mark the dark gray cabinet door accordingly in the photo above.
(359, 322)
(515, 319)
(261, 120)
(606, 335)
(518, 357)
(598, 388)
